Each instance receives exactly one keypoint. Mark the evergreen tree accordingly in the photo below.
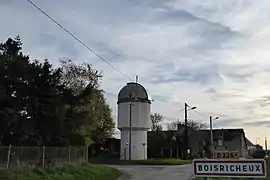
(42, 105)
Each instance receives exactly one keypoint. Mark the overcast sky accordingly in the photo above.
(212, 54)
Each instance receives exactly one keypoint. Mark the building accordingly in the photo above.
(229, 140)
(169, 144)
(133, 121)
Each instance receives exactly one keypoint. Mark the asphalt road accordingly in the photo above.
(143, 172)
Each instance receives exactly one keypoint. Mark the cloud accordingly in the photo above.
(259, 123)
(211, 54)
(202, 75)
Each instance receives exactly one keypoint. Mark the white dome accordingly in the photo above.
(133, 92)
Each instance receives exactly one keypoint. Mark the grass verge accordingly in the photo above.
(104, 160)
(85, 172)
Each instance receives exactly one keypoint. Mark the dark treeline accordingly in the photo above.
(43, 105)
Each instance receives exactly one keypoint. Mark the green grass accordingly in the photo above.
(114, 161)
(85, 172)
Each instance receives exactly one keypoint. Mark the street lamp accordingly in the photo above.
(187, 108)
(211, 134)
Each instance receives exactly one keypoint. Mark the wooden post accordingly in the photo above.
(84, 153)
(87, 153)
(69, 156)
(43, 156)
(8, 156)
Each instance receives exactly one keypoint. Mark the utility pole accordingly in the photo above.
(265, 144)
(186, 132)
(130, 116)
(257, 138)
(186, 139)
(222, 133)
(212, 138)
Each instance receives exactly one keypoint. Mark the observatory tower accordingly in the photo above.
(133, 121)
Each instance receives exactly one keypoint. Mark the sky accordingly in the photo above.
(211, 54)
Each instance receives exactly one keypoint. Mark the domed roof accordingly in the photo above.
(133, 92)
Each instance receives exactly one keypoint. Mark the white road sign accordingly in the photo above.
(252, 168)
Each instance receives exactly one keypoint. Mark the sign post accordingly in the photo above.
(239, 168)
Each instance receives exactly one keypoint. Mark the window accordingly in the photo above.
(220, 143)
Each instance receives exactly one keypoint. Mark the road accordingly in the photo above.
(143, 172)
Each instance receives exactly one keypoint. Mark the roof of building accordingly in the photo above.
(133, 92)
(249, 143)
(226, 130)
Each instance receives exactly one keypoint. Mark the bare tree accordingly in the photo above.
(172, 126)
(195, 125)
(192, 124)
(156, 119)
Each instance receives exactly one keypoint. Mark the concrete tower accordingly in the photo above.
(133, 109)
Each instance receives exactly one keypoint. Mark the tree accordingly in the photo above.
(42, 105)
(156, 119)
(172, 126)
(83, 82)
(14, 74)
(195, 125)
(192, 124)
(79, 77)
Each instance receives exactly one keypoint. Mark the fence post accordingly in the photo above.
(8, 156)
(69, 149)
(87, 153)
(43, 156)
(84, 153)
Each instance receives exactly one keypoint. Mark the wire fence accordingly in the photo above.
(29, 157)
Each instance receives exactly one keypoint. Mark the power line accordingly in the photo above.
(78, 40)
(81, 42)
(85, 45)
(204, 115)
(94, 52)
(215, 125)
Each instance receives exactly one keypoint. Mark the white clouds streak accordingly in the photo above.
(214, 54)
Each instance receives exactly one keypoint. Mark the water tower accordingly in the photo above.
(133, 121)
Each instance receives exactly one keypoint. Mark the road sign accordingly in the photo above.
(226, 155)
(251, 168)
